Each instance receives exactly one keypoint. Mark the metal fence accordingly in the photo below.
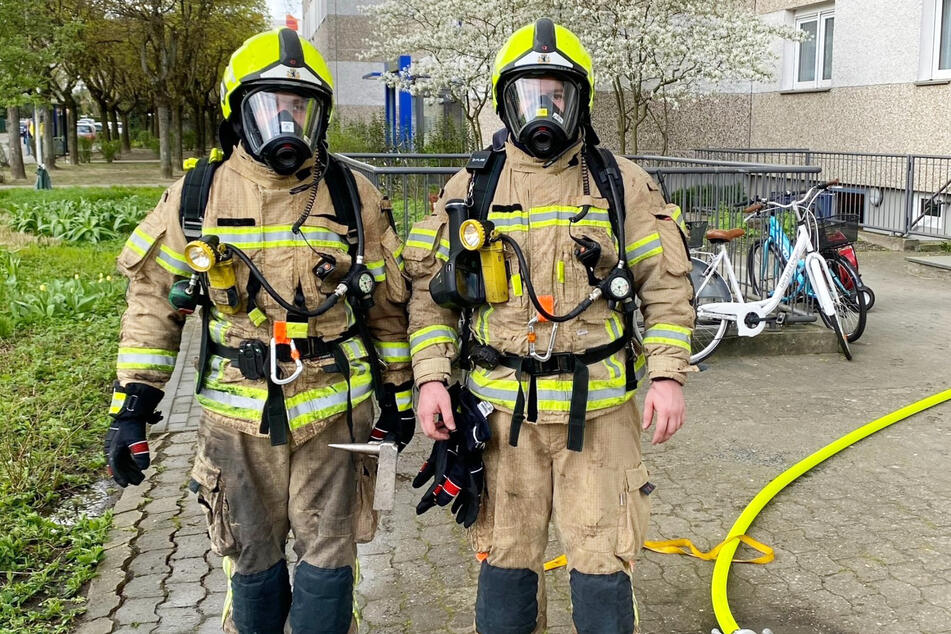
(903, 194)
(711, 193)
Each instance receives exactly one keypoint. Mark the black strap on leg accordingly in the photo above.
(578, 408)
(274, 418)
(518, 412)
(203, 351)
(533, 399)
(343, 365)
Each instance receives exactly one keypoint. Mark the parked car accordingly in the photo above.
(86, 131)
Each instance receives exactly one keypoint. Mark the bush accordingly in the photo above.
(144, 139)
(357, 135)
(110, 149)
(189, 140)
(85, 150)
(448, 137)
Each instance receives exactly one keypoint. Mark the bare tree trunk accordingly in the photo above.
(198, 121)
(155, 126)
(114, 123)
(176, 135)
(212, 114)
(621, 120)
(72, 139)
(49, 154)
(126, 140)
(16, 153)
(165, 147)
(104, 120)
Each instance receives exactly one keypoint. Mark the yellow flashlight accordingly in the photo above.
(202, 254)
(472, 235)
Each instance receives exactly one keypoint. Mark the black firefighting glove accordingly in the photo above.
(466, 505)
(446, 468)
(394, 425)
(126, 447)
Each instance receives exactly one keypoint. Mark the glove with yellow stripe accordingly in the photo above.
(395, 424)
(126, 447)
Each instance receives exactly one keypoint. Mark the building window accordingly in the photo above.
(814, 53)
(942, 39)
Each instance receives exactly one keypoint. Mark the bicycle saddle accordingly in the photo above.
(724, 235)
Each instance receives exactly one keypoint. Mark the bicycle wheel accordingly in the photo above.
(764, 267)
(848, 297)
(707, 332)
(869, 297)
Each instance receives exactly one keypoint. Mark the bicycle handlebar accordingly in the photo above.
(757, 206)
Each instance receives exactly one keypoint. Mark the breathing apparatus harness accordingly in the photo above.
(289, 341)
(459, 285)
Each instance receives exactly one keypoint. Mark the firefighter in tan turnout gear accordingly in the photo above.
(297, 269)
(524, 245)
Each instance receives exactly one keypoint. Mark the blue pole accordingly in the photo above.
(405, 108)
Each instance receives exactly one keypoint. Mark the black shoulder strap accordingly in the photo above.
(604, 166)
(195, 192)
(484, 169)
(343, 191)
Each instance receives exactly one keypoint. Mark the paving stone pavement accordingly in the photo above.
(863, 542)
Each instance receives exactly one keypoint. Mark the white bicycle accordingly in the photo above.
(719, 304)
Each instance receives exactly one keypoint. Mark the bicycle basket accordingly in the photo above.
(837, 231)
(696, 231)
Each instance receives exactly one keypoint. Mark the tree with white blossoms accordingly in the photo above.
(654, 54)
(651, 54)
(453, 46)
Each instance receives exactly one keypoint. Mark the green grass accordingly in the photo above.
(59, 320)
(18, 195)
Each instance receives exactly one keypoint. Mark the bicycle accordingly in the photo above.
(719, 304)
(768, 255)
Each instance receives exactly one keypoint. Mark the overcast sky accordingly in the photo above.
(279, 8)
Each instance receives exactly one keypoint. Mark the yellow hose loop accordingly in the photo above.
(721, 570)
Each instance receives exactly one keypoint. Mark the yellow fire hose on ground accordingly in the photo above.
(721, 570)
(725, 551)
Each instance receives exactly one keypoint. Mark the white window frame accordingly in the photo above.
(819, 16)
(938, 73)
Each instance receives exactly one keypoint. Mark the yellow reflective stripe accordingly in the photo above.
(404, 400)
(398, 256)
(430, 336)
(139, 242)
(392, 351)
(442, 252)
(561, 271)
(644, 248)
(507, 222)
(668, 334)
(482, 323)
(275, 236)
(553, 395)
(118, 398)
(322, 403)
(146, 359)
(614, 326)
(218, 327)
(173, 262)
(640, 367)
(421, 238)
(234, 401)
(517, 285)
(561, 215)
(677, 216)
(378, 269)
